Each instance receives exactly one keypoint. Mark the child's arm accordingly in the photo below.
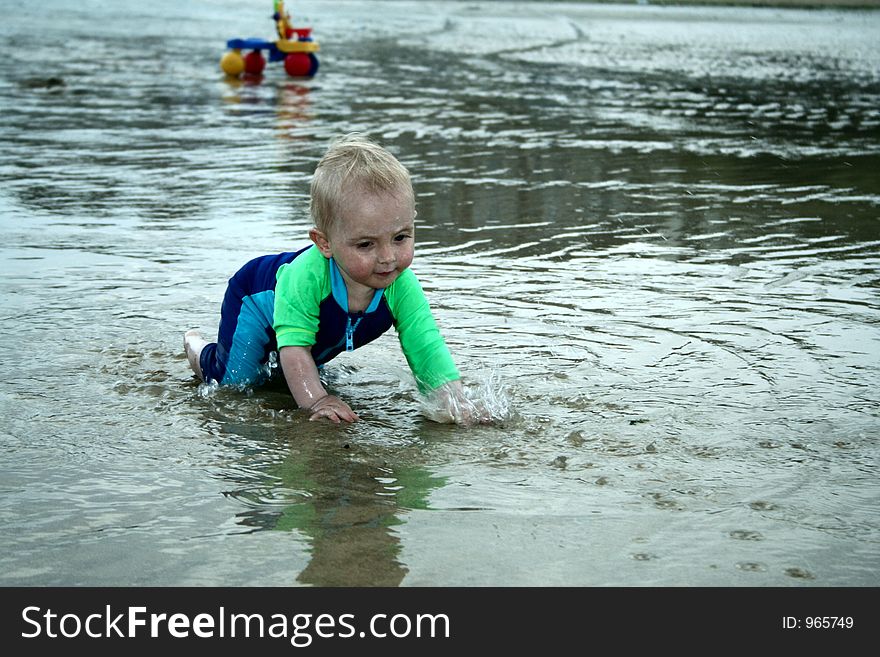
(302, 378)
(301, 286)
(428, 356)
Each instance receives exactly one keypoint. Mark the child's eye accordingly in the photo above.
(401, 237)
(364, 245)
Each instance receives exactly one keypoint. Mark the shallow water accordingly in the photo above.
(652, 231)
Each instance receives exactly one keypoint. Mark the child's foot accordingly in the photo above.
(193, 343)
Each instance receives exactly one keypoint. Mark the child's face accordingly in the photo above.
(372, 240)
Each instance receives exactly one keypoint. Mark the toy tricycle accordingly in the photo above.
(294, 46)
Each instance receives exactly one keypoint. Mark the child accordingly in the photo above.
(336, 295)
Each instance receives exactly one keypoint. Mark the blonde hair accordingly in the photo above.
(354, 164)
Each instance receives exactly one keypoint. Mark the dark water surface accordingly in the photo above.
(651, 232)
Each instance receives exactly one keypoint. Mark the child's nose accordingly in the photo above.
(386, 253)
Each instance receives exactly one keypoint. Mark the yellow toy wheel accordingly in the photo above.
(232, 63)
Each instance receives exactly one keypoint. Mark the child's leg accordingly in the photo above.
(245, 336)
(242, 350)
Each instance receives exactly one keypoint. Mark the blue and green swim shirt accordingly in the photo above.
(300, 299)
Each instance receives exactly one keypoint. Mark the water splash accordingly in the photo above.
(270, 367)
(208, 389)
(481, 400)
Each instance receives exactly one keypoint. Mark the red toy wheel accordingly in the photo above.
(301, 64)
(254, 63)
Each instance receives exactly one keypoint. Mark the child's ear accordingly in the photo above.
(321, 241)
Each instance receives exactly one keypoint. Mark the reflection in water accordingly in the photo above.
(344, 494)
(656, 227)
(350, 516)
(291, 101)
(294, 109)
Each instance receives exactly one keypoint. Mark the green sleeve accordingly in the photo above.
(423, 346)
(300, 287)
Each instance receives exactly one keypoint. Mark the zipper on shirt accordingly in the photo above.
(349, 333)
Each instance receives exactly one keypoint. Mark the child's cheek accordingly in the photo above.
(405, 259)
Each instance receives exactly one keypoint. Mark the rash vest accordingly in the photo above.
(311, 310)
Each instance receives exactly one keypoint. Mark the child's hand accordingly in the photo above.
(332, 408)
(454, 406)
